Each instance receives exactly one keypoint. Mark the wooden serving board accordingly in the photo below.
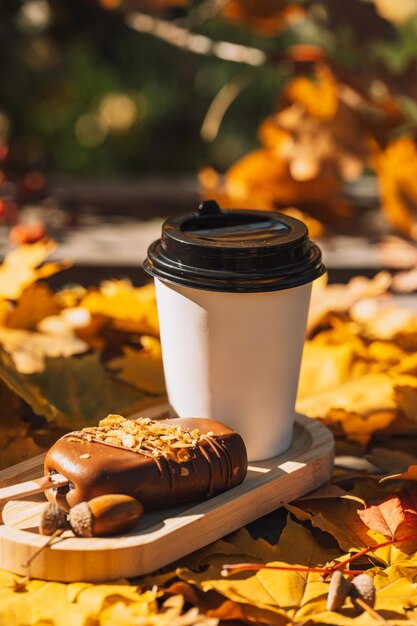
(161, 537)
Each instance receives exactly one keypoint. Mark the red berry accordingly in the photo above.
(26, 233)
(34, 181)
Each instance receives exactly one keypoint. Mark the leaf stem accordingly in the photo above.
(243, 567)
(364, 551)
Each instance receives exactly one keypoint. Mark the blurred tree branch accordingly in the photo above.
(183, 38)
(217, 109)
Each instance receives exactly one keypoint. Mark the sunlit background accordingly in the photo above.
(303, 105)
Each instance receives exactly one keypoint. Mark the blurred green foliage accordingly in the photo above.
(55, 80)
(82, 93)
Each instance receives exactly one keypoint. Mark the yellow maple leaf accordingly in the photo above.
(354, 403)
(20, 268)
(130, 308)
(272, 597)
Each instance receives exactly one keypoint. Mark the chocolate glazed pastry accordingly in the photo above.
(162, 464)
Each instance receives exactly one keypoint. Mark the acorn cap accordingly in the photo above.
(81, 520)
(52, 518)
(362, 586)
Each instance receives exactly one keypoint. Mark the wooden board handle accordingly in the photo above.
(30, 487)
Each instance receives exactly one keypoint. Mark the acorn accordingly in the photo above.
(362, 588)
(52, 519)
(105, 515)
(338, 590)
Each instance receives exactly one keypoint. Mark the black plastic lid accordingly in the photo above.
(236, 251)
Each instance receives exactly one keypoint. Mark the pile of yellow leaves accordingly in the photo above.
(367, 349)
(69, 357)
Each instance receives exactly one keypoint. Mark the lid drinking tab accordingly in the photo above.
(234, 250)
(209, 207)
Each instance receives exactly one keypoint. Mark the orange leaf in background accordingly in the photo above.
(308, 149)
(385, 517)
(231, 195)
(320, 98)
(392, 517)
(396, 168)
(266, 17)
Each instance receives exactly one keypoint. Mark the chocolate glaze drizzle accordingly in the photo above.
(215, 462)
(81, 437)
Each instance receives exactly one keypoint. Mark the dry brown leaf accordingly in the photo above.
(391, 460)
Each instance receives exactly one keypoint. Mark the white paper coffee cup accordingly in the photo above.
(233, 291)
(236, 358)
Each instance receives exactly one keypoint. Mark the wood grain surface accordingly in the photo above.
(163, 536)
